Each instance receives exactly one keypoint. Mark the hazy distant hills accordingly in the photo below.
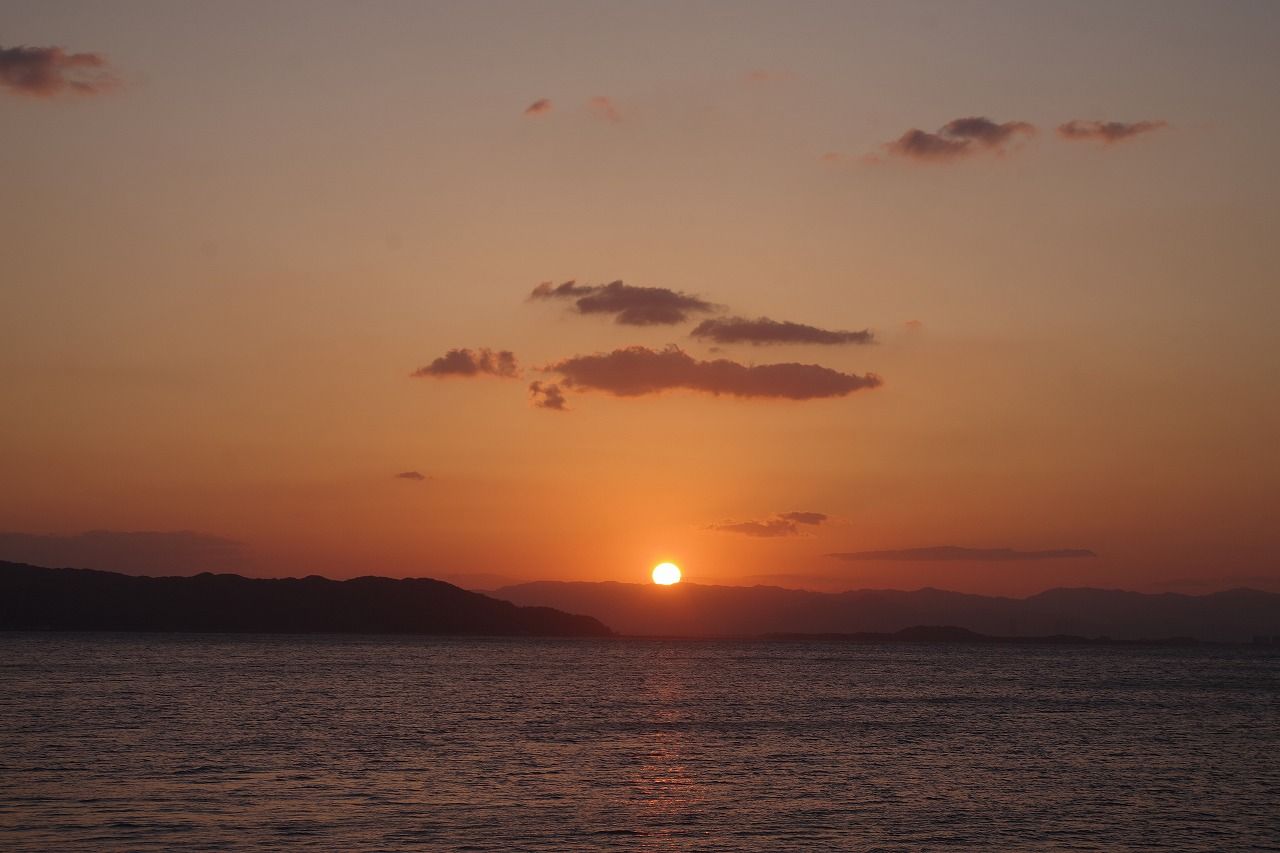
(694, 610)
(34, 598)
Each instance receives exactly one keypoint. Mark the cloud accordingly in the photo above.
(465, 362)
(603, 108)
(734, 330)
(411, 475)
(635, 371)
(804, 517)
(913, 325)
(758, 76)
(1106, 132)
(783, 524)
(133, 552)
(630, 305)
(47, 72)
(542, 106)
(944, 553)
(959, 138)
(547, 396)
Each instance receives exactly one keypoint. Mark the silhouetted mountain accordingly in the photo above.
(688, 609)
(34, 598)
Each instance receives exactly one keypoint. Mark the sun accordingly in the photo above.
(665, 574)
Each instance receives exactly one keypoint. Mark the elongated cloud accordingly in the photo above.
(959, 138)
(783, 524)
(636, 371)
(542, 106)
(411, 475)
(734, 330)
(547, 396)
(629, 305)
(1106, 132)
(945, 553)
(46, 72)
(466, 363)
(603, 108)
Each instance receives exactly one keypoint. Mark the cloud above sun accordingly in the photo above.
(782, 524)
(470, 363)
(733, 330)
(959, 138)
(628, 304)
(637, 371)
(1106, 132)
(49, 72)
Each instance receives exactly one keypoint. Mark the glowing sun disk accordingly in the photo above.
(666, 574)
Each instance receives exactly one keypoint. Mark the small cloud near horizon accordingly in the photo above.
(947, 553)
(466, 363)
(761, 331)
(603, 108)
(542, 106)
(48, 72)
(782, 524)
(411, 475)
(629, 304)
(958, 139)
(636, 371)
(1106, 132)
(547, 396)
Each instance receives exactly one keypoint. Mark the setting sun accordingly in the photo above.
(666, 574)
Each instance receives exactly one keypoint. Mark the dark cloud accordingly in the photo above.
(410, 475)
(547, 396)
(1106, 132)
(630, 305)
(132, 552)
(783, 524)
(734, 330)
(46, 72)
(943, 553)
(466, 362)
(538, 107)
(958, 138)
(804, 517)
(603, 108)
(634, 371)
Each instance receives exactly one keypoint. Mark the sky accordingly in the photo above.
(412, 289)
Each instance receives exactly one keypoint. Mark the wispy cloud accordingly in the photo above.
(466, 363)
(603, 108)
(734, 330)
(636, 371)
(411, 475)
(958, 139)
(547, 396)
(630, 305)
(542, 106)
(782, 524)
(1106, 132)
(945, 553)
(47, 72)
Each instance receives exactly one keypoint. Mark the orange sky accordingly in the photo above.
(228, 245)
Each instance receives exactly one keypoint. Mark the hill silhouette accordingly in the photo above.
(689, 609)
(35, 598)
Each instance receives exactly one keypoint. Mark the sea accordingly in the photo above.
(361, 743)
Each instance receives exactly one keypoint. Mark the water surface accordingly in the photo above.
(198, 742)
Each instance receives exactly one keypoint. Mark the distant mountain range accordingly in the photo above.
(34, 598)
(688, 609)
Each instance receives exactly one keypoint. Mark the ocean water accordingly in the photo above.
(129, 742)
